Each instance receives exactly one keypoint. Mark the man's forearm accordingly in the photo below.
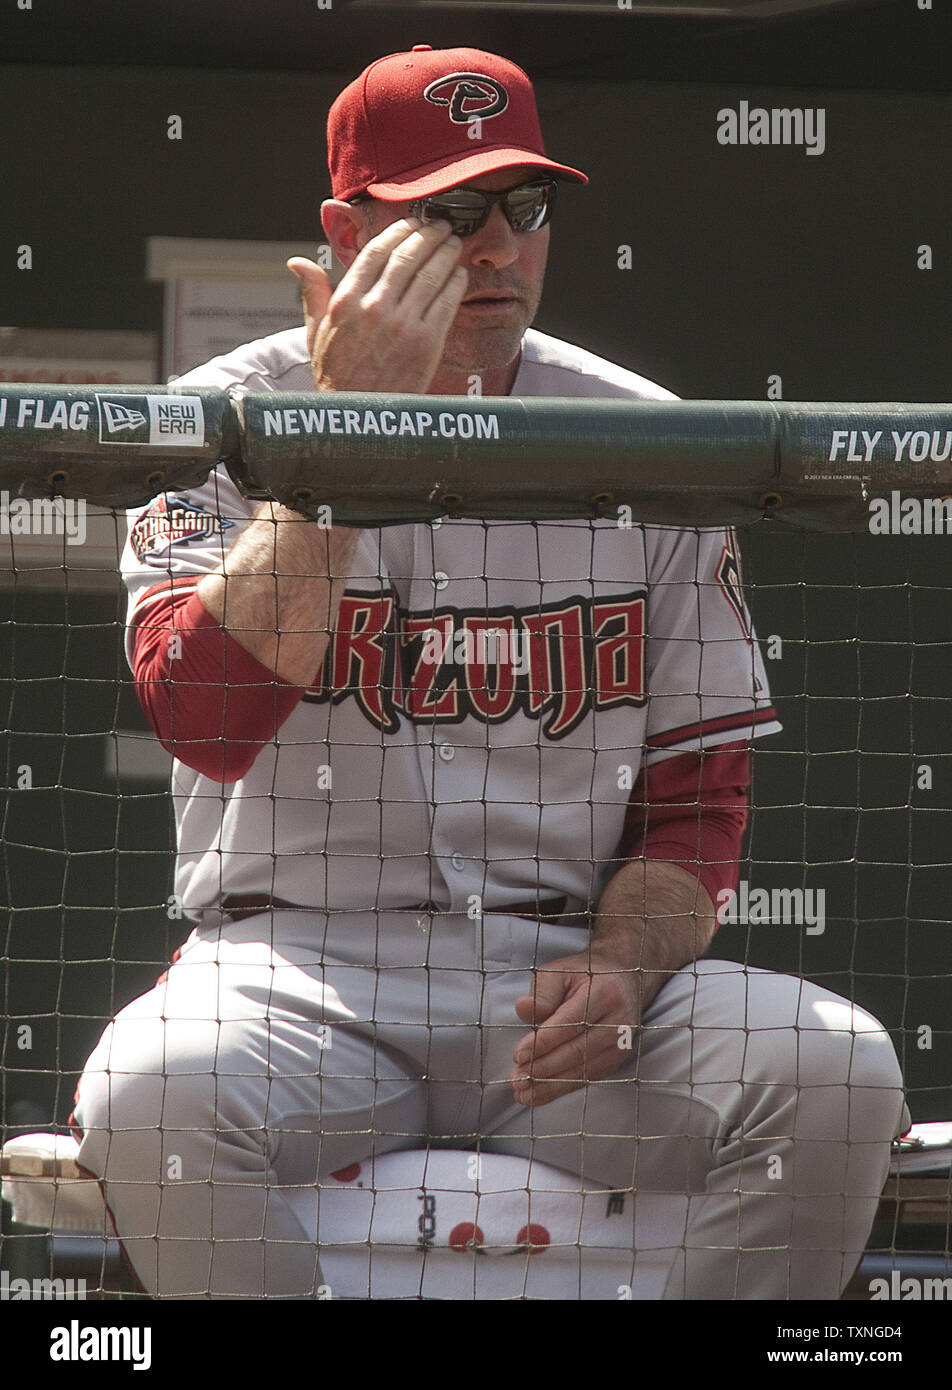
(279, 590)
(653, 918)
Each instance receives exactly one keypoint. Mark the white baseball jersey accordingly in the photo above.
(489, 695)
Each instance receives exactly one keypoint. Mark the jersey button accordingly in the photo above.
(458, 861)
(440, 580)
(447, 752)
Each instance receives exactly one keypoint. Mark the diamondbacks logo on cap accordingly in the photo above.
(468, 95)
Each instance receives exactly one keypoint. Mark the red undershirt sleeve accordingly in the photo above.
(212, 705)
(691, 810)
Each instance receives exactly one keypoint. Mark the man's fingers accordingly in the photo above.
(566, 1074)
(382, 261)
(552, 987)
(575, 1014)
(525, 1009)
(371, 333)
(419, 267)
(567, 1022)
(444, 306)
(428, 277)
(550, 1032)
(549, 989)
(573, 1056)
(535, 1008)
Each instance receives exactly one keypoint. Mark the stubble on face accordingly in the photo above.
(488, 346)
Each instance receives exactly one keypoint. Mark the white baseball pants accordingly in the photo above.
(749, 1125)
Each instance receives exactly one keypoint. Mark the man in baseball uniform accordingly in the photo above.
(454, 804)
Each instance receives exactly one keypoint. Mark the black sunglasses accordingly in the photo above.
(527, 208)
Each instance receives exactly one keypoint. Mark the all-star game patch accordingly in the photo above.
(172, 521)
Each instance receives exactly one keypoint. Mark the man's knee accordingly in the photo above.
(134, 1109)
(834, 1046)
(776, 1029)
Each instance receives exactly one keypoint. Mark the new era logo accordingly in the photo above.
(139, 419)
(121, 417)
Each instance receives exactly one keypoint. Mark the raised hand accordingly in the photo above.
(385, 326)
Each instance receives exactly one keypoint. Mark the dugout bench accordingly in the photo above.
(59, 1217)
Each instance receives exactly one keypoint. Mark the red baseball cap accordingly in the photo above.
(418, 123)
